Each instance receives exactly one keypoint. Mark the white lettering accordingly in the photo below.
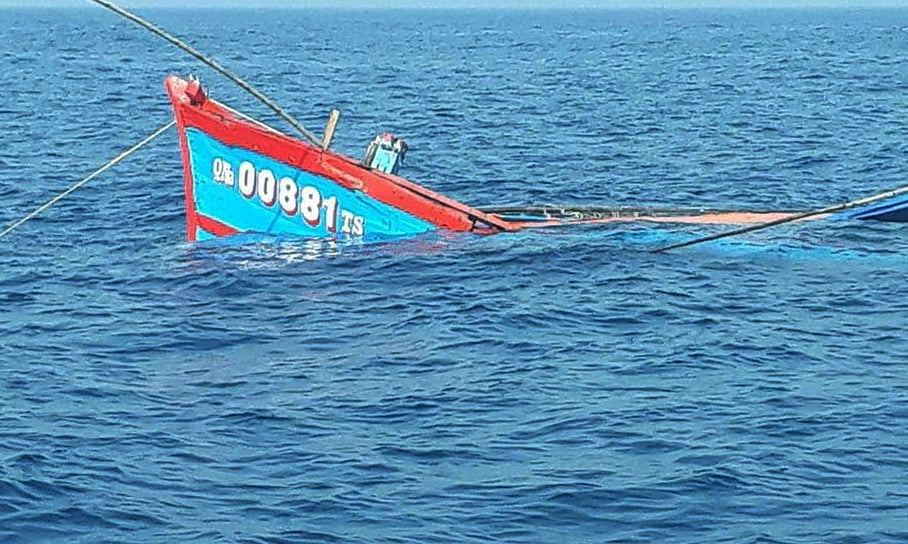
(310, 205)
(308, 201)
(288, 194)
(267, 187)
(247, 179)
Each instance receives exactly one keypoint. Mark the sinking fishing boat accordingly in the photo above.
(242, 176)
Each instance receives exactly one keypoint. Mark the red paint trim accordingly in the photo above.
(215, 120)
(215, 227)
(191, 216)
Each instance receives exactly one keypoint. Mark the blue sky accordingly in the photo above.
(477, 3)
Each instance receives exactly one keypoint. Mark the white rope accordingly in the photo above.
(93, 175)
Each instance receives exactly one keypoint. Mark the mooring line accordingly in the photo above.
(92, 176)
(214, 65)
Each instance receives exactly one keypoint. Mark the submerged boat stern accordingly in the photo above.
(893, 210)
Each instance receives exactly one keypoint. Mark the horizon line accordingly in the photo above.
(501, 7)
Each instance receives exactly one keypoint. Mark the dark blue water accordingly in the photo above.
(565, 386)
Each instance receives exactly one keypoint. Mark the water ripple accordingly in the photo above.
(558, 385)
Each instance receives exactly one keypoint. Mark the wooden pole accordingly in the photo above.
(329, 128)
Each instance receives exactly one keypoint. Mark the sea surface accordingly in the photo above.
(564, 386)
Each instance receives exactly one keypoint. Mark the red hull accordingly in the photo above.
(194, 111)
(223, 124)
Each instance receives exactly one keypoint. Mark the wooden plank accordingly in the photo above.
(329, 128)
